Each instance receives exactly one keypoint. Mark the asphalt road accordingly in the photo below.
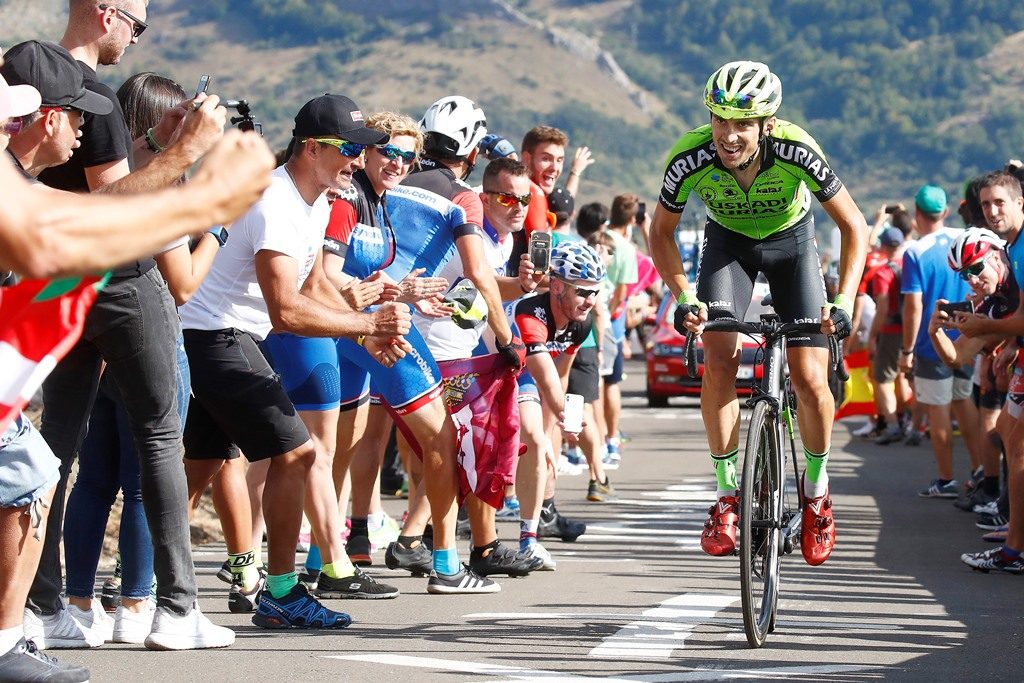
(636, 600)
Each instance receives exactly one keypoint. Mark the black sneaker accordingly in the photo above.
(466, 581)
(417, 560)
(993, 559)
(359, 586)
(991, 522)
(502, 560)
(26, 663)
(977, 496)
(359, 550)
(601, 493)
(554, 524)
(224, 573)
(309, 578)
(110, 595)
(242, 602)
(298, 609)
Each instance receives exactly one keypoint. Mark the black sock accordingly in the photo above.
(990, 485)
(359, 527)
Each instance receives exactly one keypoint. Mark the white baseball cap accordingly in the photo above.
(17, 100)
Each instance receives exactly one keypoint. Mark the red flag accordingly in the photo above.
(40, 320)
(480, 394)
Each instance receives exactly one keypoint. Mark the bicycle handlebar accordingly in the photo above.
(769, 330)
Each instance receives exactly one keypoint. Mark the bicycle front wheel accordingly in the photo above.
(760, 524)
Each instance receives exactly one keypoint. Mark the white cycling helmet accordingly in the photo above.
(743, 90)
(454, 125)
(973, 245)
(576, 261)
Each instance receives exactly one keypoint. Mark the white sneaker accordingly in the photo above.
(190, 632)
(133, 627)
(59, 631)
(96, 620)
(537, 550)
(864, 430)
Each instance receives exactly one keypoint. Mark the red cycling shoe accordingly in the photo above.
(818, 535)
(719, 535)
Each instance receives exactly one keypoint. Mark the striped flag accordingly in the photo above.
(40, 320)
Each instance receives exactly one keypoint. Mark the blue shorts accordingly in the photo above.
(323, 374)
(28, 468)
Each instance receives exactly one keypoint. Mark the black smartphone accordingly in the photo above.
(953, 307)
(892, 208)
(641, 212)
(204, 83)
(540, 251)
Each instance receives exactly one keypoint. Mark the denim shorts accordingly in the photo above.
(28, 468)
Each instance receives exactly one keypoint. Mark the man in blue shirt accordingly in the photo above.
(926, 279)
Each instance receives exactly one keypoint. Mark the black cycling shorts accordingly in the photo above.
(584, 375)
(730, 262)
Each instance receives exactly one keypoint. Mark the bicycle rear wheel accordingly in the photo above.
(760, 521)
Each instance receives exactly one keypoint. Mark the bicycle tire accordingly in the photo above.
(760, 521)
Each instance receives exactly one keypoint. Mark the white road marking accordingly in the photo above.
(666, 628)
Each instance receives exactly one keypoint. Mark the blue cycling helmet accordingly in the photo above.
(576, 261)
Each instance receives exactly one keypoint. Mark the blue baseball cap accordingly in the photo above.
(890, 237)
(931, 199)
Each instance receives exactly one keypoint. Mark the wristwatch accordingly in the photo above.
(221, 233)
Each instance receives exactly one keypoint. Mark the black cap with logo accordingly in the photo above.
(335, 116)
(55, 74)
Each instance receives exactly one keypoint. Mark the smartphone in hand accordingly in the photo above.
(953, 307)
(204, 84)
(573, 411)
(540, 251)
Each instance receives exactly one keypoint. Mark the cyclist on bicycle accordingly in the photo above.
(755, 174)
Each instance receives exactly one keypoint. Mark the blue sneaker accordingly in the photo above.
(575, 456)
(937, 489)
(298, 609)
(510, 509)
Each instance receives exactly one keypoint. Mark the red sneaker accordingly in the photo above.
(719, 535)
(818, 535)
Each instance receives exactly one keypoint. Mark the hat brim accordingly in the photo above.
(365, 136)
(17, 100)
(92, 103)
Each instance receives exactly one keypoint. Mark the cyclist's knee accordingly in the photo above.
(721, 364)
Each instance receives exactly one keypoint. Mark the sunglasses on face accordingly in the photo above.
(584, 293)
(974, 270)
(722, 98)
(138, 25)
(393, 152)
(508, 199)
(347, 149)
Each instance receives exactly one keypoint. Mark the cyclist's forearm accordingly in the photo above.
(665, 252)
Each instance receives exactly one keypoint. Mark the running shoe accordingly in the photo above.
(997, 536)
(939, 490)
(466, 581)
(991, 522)
(298, 609)
(818, 530)
(416, 560)
(26, 663)
(993, 559)
(567, 468)
(309, 577)
(502, 560)
(989, 508)
(95, 619)
(385, 534)
(575, 456)
(241, 601)
(60, 631)
(868, 430)
(359, 550)
(224, 573)
(892, 434)
(509, 510)
(110, 594)
(601, 493)
(914, 438)
(133, 627)
(719, 535)
(554, 524)
(974, 501)
(190, 632)
(359, 586)
(539, 552)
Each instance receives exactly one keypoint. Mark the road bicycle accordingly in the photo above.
(770, 515)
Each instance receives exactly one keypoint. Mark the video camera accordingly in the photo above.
(245, 120)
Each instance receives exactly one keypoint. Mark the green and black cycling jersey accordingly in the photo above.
(792, 168)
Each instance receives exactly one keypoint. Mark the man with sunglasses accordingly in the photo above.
(48, 136)
(755, 175)
(943, 391)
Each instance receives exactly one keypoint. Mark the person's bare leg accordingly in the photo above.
(590, 444)
(199, 474)
(21, 550)
(942, 440)
(230, 500)
(283, 498)
(434, 432)
(1015, 482)
(255, 481)
(419, 509)
(531, 473)
(366, 462)
(966, 414)
(481, 521)
(321, 499)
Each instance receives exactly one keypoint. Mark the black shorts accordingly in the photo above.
(730, 262)
(584, 375)
(238, 400)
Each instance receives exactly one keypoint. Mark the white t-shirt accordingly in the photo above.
(445, 339)
(280, 221)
